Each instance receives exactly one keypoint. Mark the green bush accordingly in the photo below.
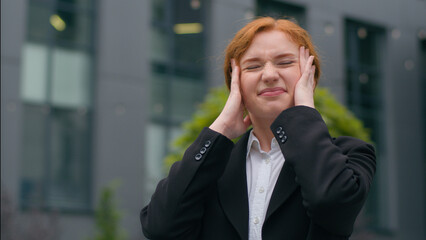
(107, 217)
(340, 121)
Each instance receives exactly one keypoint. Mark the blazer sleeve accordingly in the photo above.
(335, 175)
(176, 207)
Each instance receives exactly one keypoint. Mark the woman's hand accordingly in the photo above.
(231, 122)
(304, 91)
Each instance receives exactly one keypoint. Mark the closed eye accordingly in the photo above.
(285, 63)
(252, 67)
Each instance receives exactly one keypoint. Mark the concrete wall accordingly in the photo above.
(13, 26)
(122, 103)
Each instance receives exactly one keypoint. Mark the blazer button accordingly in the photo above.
(207, 143)
(281, 135)
(284, 139)
(279, 129)
(198, 156)
(203, 150)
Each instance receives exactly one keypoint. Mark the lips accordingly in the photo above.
(271, 91)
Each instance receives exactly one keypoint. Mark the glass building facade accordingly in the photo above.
(56, 91)
(95, 91)
(177, 79)
(365, 99)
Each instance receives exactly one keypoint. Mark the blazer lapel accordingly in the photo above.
(284, 187)
(232, 188)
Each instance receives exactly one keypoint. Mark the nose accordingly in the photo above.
(270, 73)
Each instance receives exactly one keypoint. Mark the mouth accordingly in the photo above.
(269, 92)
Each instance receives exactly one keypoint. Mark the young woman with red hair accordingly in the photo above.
(286, 178)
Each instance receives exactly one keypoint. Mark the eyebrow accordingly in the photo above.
(252, 59)
(282, 55)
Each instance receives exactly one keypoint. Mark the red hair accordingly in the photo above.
(242, 40)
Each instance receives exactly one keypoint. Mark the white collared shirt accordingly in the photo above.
(263, 169)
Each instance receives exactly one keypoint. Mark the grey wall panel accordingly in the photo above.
(13, 25)
(122, 104)
(12, 37)
(122, 38)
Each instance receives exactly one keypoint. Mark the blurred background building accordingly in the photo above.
(96, 90)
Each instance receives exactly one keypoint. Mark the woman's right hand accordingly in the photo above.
(231, 121)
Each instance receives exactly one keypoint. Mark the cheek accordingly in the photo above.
(246, 85)
(291, 77)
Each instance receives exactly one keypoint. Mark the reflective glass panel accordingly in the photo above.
(154, 164)
(56, 91)
(364, 98)
(34, 85)
(69, 166)
(186, 94)
(159, 95)
(38, 21)
(278, 9)
(71, 75)
(72, 27)
(177, 76)
(159, 49)
(77, 3)
(33, 182)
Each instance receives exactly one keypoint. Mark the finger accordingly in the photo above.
(311, 80)
(304, 79)
(307, 56)
(302, 58)
(307, 53)
(308, 65)
(235, 77)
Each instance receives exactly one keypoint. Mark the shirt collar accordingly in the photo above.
(253, 144)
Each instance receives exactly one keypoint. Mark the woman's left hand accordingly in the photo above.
(304, 90)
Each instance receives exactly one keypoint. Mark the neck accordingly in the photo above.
(262, 130)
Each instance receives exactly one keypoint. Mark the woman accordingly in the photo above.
(284, 179)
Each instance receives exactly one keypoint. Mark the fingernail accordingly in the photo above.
(232, 62)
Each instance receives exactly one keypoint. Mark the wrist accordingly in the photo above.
(220, 128)
(306, 103)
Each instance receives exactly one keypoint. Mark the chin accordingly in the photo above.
(277, 108)
(269, 110)
(271, 113)
(281, 104)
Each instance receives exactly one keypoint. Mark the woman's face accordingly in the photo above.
(269, 73)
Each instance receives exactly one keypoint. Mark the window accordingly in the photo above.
(177, 75)
(364, 99)
(279, 9)
(56, 91)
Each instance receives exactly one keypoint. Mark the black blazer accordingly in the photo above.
(321, 188)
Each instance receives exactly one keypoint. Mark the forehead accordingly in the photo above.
(271, 42)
